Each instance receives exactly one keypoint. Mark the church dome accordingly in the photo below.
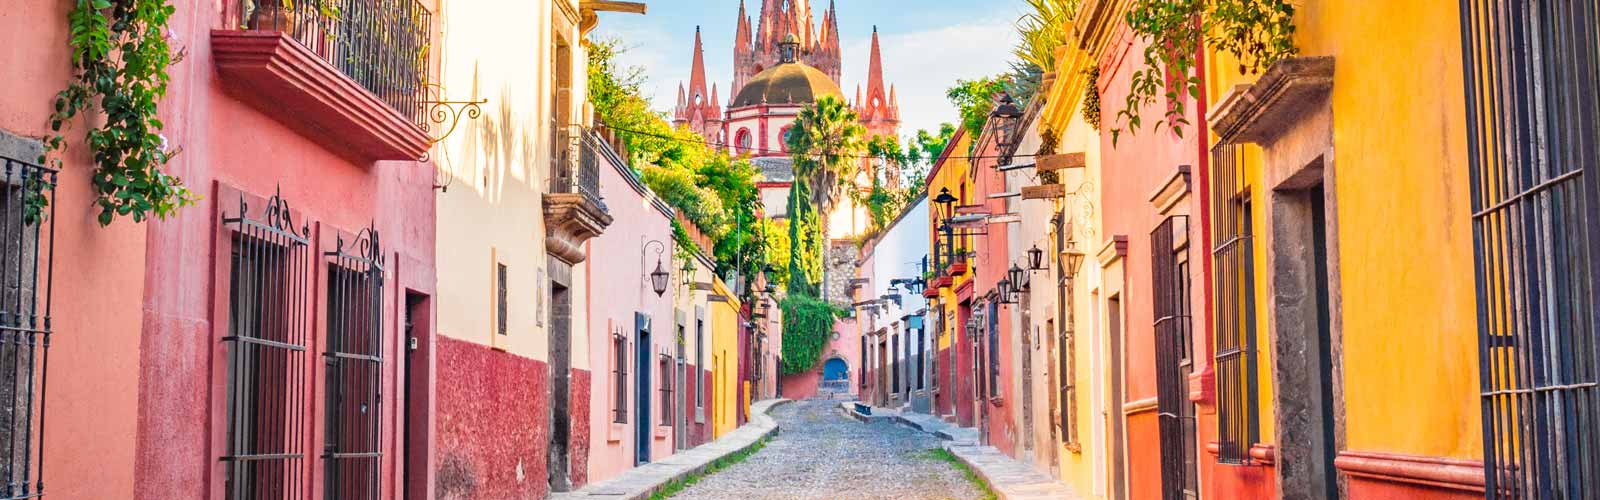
(788, 83)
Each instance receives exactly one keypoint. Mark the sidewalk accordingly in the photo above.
(1009, 478)
(641, 482)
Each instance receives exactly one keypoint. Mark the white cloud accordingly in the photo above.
(923, 64)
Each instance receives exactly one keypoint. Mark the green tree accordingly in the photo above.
(826, 144)
(974, 99)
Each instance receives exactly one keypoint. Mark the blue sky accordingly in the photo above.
(926, 45)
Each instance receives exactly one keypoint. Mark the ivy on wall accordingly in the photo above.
(1256, 32)
(120, 56)
(807, 326)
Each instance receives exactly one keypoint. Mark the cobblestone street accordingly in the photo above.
(821, 454)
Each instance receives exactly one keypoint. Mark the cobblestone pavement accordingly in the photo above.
(820, 454)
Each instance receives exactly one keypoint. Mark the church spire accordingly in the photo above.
(697, 109)
(879, 112)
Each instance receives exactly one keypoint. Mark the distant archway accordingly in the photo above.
(835, 369)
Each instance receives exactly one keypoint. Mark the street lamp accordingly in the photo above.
(1017, 276)
(1004, 115)
(658, 279)
(1003, 288)
(1036, 258)
(1070, 259)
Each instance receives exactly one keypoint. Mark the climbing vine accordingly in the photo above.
(807, 324)
(120, 55)
(1091, 97)
(1256, 32)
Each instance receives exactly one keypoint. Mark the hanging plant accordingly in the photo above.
(1091, 98)
(1256, 32)
(120, 55)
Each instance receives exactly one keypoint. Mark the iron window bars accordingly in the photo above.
(584, 177)
(266, 345)
(1534, 147)
(1234, 291)
(352, 446)
(619, 341)
(1173, 338)
(699, 363)
(666, 390)
(27, 227)
(381, 44)
(502, 310)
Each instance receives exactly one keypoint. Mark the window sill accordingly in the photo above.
(290, 83)
(997, 401)
(700, 415)
(615, 432)
(663, 432)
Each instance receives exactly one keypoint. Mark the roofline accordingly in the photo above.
(944, 155)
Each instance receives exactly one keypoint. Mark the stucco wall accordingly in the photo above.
(493, 433)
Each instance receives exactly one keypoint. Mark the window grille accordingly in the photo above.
(666, 390)
(1173, 339)
(27, 245)
(501, 308)
(619, 344)
(352, 448)
(993, 358)
(1534, 146)
(1233, 260)
(699, 363)
(894, 364)
(266, 345)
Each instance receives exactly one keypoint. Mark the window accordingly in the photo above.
(1534, 152)
(894, 371)
(25, 330)
(501, 306)
(993, 358)
(666, 390)
(266, 347)
(619, 373)
(351, 445)
(699, 361)
(742, 141)
(922, 346)
(1170, 288)
(1233, 260)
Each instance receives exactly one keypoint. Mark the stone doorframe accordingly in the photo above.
(1288, 113)
(560, 359)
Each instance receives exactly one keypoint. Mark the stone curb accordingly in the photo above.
(640, 482)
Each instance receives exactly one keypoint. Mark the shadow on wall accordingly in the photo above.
(493, 145)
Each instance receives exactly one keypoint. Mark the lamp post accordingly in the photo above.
(659, 277)
(1005, 116)
(946, 202)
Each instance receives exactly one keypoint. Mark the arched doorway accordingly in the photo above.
(835, 376)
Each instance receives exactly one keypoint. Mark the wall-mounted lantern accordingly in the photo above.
(658, 279)
(1036, 258)
(1017, 276)
(1070, 259)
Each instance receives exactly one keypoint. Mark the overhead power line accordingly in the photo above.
(725, 146)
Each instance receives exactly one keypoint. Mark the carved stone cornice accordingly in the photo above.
(571, 219)
(1257, 112)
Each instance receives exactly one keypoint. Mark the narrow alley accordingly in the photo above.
(822, 454)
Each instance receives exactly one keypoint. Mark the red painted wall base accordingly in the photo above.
(492, 430)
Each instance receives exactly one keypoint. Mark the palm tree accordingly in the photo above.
(826, 144)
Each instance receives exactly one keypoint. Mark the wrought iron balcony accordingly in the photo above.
(573, 209)
(381, 44)
(581, 176)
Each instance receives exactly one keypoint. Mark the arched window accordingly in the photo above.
(742, 141)
(783, 138)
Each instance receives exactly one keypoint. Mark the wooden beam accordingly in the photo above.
(613, 6)
(1048, 163)
(1044, 192)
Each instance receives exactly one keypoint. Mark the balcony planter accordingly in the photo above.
(944, 281)
(1044, 192)
(931, 292)
(956, 269)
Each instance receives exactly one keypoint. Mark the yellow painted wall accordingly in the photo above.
(953, 174)
(725, 350)
(1404, 227)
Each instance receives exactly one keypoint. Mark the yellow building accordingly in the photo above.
(1345, 170)
(724, 313)
(950, 186)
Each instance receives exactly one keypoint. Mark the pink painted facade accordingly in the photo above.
(620, 290)
(992, 260)
(138, 374)
(844, 345)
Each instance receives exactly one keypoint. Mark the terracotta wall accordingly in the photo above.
(493, 432)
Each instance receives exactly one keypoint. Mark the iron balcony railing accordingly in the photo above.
(582, 176)
(381, 44)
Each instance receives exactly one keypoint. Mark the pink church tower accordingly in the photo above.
(879, 110)
(698, 110)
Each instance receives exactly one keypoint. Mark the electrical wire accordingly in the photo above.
(726, 146)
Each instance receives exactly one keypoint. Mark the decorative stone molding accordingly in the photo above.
(1173, 191)
(570, 220)
(1438, 472)
(1256, 113)
(1115, 249)
(289, 82)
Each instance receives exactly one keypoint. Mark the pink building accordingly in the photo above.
(273, 338)
(636, 338)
